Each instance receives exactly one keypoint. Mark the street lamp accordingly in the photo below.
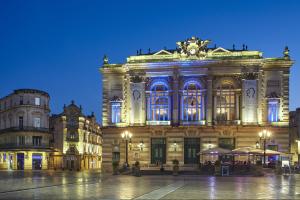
(257, 145)
(141, 145)
(175, 145)
(264, 136)
(127, 137)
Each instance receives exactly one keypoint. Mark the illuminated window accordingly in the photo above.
(37, 101)
(273, 111)
(158, 103)
(225, 103)
(192, 102)
(115, 112)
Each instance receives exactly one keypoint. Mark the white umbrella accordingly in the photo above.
(246, 150)
(216, 150)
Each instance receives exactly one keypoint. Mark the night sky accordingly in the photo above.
(58, 46)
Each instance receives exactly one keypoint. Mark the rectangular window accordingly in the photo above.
(273, 111)
(225, 106)
(227, 143)
(21, 100)
(21, 140)
(37, 122)
(37, 140)
(273, 147)
(37, 101)
(115, 112)
(21, 120)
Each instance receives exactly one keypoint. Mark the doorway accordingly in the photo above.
(37, 161)
(191, 149)
(20, 161)
(158, 151)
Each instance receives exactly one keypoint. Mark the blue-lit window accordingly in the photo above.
(158, 102)
(115, 112)
(273, 111)
(192, 102)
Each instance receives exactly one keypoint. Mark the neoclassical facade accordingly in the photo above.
(24, 130)
(178, 102)
(77, 140)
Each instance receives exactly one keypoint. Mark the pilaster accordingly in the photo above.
(209, 104)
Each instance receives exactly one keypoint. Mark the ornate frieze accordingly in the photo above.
(116, 99)
(136, 79)
(249, 76)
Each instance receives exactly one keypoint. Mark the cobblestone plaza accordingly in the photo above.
(93, 185)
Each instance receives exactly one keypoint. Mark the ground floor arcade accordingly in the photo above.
(24, 160)
(75, 161)
(155, 145)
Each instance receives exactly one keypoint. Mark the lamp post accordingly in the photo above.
(264, 136)
(141, 145)
(127, 137)
(175, 145)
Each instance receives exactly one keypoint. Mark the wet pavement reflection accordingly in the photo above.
(94, 185)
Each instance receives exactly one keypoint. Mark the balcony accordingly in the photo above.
(23, 146)
(70, 139)
(25, 129)
(228, 122)
(188, 123)
(155, 123)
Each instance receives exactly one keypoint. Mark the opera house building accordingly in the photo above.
(172, 104)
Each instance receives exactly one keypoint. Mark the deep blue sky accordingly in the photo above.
(57, 46)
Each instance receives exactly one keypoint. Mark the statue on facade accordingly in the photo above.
(193, 47)
(105, 60)
(286, 53)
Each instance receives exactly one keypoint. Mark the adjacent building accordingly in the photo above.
(295, 135)
(77, 140)
(178, 102)
(24, 130)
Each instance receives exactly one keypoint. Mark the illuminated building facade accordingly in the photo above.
(77, 140)
(24, 130)
(176, 103)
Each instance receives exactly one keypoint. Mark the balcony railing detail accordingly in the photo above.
(25, 128)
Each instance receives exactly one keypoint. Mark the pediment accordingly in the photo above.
(220, 50)
(163, 52)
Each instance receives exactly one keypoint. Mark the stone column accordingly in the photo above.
(237, 106)
(214, 109)
(209, 103)
(243, 102)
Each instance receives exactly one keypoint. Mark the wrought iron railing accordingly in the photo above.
(25, 128)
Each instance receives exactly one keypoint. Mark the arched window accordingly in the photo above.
(225, 102)
(192, 102)
(158, 102)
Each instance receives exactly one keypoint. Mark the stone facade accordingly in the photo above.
(24, 130)
(77, 140)
(178, 102)
(295, 134)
